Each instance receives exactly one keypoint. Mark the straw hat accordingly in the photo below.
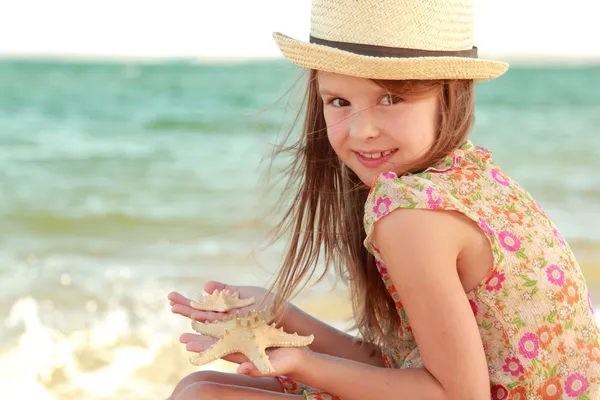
(392, 39)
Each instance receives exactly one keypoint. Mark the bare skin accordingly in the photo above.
(226, 386)
(217, 391)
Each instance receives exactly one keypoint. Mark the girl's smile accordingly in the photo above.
(375, 159)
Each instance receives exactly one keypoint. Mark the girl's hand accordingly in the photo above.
(181, 304)
(285, 360)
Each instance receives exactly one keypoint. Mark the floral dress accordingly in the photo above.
(533, 308)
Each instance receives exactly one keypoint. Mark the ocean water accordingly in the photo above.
(122, 182)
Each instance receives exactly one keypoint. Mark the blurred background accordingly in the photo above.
(133, 137)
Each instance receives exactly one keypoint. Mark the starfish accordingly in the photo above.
(250, 335)
(218, 328)
(221, 301)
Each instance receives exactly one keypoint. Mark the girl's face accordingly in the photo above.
(372, 131)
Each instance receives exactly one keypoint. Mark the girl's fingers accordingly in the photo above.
(247, 368)
(211, 286)
(181, 304)
(236, 358)
(198, 315)
(209, 316)
(199, 343)
(178, 298)
(182, 310)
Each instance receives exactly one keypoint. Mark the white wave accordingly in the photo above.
(45, 364)
(39, 350)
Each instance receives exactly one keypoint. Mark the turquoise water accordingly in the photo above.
(122, 182)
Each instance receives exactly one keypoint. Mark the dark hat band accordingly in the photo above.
(383, 51)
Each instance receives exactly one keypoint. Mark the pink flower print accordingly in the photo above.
(529, 345)
(380, 267)
(499, 392)
(555, 275)
(485, 227)
(389, 175)
(576, 385)
(559, 237)
(474, 307)
(382, 201)
(482, 149)
(509, 241)
(433, 199)
(495, 281)
(590, 304)
(513, 366)
(500, 177)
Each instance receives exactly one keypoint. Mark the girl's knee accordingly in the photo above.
(196, 377)
(202, 390)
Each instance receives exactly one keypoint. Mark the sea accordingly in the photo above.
(122, 181)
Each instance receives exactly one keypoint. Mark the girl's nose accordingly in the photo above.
(363, 126)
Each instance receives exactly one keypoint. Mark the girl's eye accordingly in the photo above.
(386, 100)
(391, 99)
(338, 102)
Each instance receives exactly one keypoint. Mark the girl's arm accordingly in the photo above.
(352, 380)
(420, 249)
(329, 340)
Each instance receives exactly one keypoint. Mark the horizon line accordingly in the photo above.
(519, 58)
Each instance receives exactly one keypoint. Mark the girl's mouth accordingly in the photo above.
(375, 159)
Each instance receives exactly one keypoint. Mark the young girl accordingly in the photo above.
(462, 286)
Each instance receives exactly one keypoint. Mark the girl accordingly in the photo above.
(462, 286)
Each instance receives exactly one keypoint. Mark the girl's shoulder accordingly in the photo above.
(461, 174)
(466, 181)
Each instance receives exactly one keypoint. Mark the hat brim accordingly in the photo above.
(325, 58)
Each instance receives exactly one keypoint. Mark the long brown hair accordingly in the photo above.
(323, 220)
